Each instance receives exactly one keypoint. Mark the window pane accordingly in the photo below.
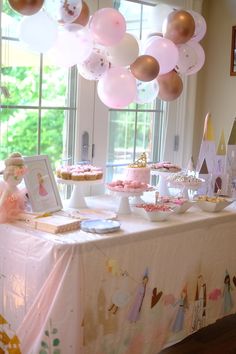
(53, 127)
(54, 86)
(144, 137)
(18, 131)
(121, 138)
(22, 82)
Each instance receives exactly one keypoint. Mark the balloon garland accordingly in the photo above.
(102, 49)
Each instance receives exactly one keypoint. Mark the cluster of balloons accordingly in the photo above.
(99, 45)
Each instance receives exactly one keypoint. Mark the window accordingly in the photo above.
(38, 100)
(139, 127)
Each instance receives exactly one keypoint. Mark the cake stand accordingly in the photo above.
(124, 204)
(162, 182)
(77, 199)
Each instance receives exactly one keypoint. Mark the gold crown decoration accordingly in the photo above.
(140, 162)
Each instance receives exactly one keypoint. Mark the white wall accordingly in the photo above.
(216, 90)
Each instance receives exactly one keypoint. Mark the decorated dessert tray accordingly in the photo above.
(124, 189)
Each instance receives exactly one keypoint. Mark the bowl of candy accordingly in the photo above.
(212, 204)
(154, 212)
(179, 204)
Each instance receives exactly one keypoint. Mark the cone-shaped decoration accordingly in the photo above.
(232, 138)
(208, 133)
(221, 150)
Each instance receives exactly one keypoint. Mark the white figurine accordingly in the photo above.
(11, 198)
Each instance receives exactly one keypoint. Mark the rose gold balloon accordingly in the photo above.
(83, 18)
(26, 7)
(145, 68)
(180, 26)
(170, 86)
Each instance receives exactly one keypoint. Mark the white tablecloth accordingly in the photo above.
(129, 292)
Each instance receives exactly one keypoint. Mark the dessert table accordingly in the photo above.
(133, 291)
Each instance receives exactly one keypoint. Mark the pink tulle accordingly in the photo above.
(13, 204)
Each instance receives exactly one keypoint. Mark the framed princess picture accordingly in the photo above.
(41, 185)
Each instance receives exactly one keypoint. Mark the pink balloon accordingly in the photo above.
(117, 87)
(200, 57)
(165, 52)
(108, 26)
(200, 26)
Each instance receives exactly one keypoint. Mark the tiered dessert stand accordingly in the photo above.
(77, 199)
(124, 202)
(162, 182)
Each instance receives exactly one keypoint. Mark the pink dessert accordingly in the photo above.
(154, 207)
(127, 186)
(173, 200)
(165, 166)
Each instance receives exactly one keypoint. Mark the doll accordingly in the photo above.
(12, 200)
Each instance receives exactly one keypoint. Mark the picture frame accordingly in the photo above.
(41, 185)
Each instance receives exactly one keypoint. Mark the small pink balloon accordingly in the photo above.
(200, 26)
(108, 26)
(200, 57)
(117, 87)
(165, 52)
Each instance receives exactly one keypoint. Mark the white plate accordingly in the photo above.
(100, 226)
(213, 207)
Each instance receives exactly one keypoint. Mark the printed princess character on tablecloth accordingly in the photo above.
(42, 190)
(138, 302)
(228, 302)
(183, 305)
(200, 302)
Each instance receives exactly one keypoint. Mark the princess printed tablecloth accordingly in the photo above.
(129, 292)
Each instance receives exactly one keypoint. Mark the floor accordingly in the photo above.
(219, 338)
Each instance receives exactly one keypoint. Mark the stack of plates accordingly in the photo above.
(100, 226)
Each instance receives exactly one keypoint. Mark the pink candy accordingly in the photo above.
(154, 207)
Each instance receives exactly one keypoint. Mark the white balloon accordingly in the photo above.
(146, 91)
(71, 48)
(200, 25)
(95, 66)
(187, 59)
(158, 15)
(200, 56)
(125, 52)
(65, 11)
(38, 32)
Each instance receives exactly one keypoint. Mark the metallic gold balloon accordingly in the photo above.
(26, 7)
(145, 68)
(180, 26)
(83, 17)
(170, 86)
